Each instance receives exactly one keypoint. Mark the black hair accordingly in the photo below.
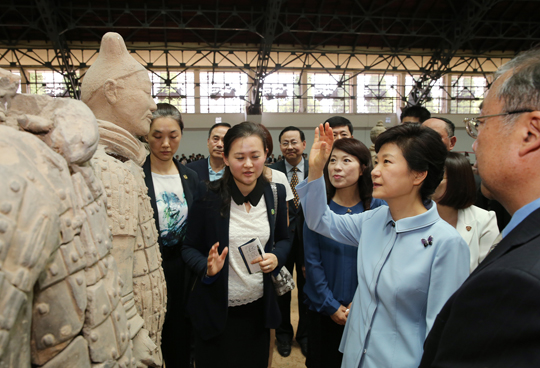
(165, 110)
(221, 186)
(289, 128)
(339, 121)
(227, 125)
(450, 127)
(423, 150)
(460, 185)
(269, 140)
(359, 150)
(416, 111)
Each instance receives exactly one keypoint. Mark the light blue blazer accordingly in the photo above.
(402, 283)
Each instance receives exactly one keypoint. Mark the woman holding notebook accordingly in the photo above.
(231, 307)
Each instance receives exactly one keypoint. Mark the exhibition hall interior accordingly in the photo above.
(278, 62)
(105, 261)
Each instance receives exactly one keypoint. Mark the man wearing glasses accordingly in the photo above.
(292, 142)
(492, 320)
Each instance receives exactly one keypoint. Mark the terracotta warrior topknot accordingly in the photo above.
(118, 90)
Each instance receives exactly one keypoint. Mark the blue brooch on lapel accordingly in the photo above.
(427, 242)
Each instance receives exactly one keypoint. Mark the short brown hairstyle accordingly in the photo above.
(460, 185)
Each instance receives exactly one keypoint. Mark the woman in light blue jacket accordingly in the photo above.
(409, 260)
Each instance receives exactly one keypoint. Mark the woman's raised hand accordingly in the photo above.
(320, 150)
(215, 260)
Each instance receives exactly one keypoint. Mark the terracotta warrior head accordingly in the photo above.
(117, 88)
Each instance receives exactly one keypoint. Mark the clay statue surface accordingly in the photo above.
(60, 289)
(374, 133)
(118, 90)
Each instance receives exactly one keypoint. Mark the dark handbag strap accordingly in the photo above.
(274, 191)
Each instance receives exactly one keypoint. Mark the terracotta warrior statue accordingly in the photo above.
(118, 90)
(61, 301)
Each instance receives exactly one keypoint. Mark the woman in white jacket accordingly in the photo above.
(454, 197)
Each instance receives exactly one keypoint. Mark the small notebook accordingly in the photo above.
(249, 251)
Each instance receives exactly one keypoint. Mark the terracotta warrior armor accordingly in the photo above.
(61, 301)
(118, 90)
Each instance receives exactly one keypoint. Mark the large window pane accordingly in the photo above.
(44, 82)
(435, 99)
(467, 94)
(223, 92)
(281, 92)
(327, 94)
(179, 90)
(376, 93)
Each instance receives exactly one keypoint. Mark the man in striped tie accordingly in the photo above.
(292, 142)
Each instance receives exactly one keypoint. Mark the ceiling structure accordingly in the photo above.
(425, 38)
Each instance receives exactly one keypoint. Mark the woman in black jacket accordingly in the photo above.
(233, 310)
(171, 187)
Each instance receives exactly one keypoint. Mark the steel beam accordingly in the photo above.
(410, 27)
(464, 30)
(47, 10)
(272, 10)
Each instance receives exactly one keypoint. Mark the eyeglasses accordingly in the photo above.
(472, 124)
(286, 144)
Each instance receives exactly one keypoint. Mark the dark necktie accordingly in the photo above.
(294, 183)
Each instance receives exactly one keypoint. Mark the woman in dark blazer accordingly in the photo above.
(232, 323)
(172, 188)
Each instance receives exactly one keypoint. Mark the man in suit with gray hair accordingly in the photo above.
(492, 319)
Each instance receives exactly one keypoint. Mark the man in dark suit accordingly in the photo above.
(213, 167)
(292, 142)
(492, 320)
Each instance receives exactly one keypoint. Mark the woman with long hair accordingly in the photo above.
(455, 196)
(409, 260)
(171, 187)
(233, 308)
(329, 288)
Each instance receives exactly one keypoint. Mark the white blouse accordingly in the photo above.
(245, 288)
